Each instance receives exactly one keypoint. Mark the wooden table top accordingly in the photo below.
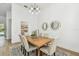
(39, 42)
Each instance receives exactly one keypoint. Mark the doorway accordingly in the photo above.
(2, 34)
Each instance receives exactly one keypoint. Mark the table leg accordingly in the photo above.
(38, 52)
(41, 53)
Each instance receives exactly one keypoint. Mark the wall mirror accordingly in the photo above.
(55, 25)
(44, 26)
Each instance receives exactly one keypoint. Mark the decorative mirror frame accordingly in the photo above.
(44, 26)
(55, 25)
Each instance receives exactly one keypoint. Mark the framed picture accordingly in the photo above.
(55, 25)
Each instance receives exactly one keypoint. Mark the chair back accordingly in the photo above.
(52, 47)
(26, 45)
(21, 39)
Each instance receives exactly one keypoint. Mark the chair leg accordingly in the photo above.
(54, 53)
(28, 53)
(21, 47)
(24, 52)
(36, 52)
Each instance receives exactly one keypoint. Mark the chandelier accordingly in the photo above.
(33, 9)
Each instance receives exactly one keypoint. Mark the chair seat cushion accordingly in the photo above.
(31, 48)
(46, 50)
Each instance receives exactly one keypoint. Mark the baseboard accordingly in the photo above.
(70, 52)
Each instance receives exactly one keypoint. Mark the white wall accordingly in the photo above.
(19, 13)
(8, 25)
(68, 15)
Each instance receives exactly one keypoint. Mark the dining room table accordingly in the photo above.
(38, 42)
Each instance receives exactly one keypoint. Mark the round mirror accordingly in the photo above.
(44, 26)
(55, 25)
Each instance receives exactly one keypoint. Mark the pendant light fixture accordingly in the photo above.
(33, 9)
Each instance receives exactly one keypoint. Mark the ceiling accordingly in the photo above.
(4, 7)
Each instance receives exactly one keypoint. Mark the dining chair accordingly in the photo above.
(28, 47)
(22, 44)
(49, 49)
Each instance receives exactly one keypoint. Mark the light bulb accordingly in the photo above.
(31, 8)
(34, 9)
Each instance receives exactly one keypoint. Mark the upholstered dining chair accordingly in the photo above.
(49, 49)
(22, 44)
(28, 47)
